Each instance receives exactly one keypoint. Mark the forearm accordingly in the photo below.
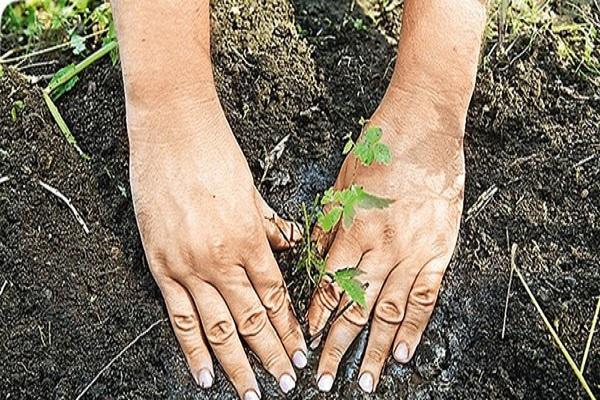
(438, 53)
(165, 57)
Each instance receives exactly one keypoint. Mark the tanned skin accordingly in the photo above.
(209, 235)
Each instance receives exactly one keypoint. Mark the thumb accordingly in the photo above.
(282, 234)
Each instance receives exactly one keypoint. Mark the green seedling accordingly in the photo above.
(343, 203)
(369, 148)
(16, 107)
(346, 280)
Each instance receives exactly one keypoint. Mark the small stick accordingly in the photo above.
(115, 358)
(4, 60)
(61, 196)
(553, 333)
(4, 179)
(3, 286)
(580, 163)
(510, 279)
(590, 336)
(482, 201)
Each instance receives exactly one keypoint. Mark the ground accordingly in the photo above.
(306, 69)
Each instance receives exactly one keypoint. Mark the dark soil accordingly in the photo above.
(72, 301)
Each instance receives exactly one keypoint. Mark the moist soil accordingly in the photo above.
(305, 69)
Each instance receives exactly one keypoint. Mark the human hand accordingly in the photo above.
(403, 250)
(206, 232)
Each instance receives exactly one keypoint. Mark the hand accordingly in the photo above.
(402, 250)
(206, 232)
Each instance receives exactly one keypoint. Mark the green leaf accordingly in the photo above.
(17, 106)
(328, 196)
(369, 201)
(330, 219)
(382, 154)
(372, 134)
(64, 88)
(77, 44)
(346, 280)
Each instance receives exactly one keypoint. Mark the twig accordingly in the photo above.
(271, 157)
(50, 49)
(4, 179)
(553, 333)
(115, 358)
(482, 202)
(590, 336)
(3, 286)
(510, 279)
(580, 163)
(38, 64)
(61, 196)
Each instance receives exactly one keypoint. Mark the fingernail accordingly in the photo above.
(366, 382)
(299, 359)
(401, 352)
(325, 383)
(251, 395)
(205, 379)
(286, 383)
(315, 342)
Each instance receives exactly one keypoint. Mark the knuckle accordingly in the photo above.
(276, 297)
(334, 353)
(327, 295)
(253, 322)
(356, 315)
(389, 312)
(239, 374)
(185, 324)
(220, 332)
(389, 234)
(376, 355)
(424, 296)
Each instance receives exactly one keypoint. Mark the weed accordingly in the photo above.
(369, 148)
(16, 107)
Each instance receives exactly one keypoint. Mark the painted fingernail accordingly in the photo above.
(205, 379)
(251, 395)
(315, 342)
(366, 382)
(401, 352)
(286, 383)
(299, 359)
(325, 383)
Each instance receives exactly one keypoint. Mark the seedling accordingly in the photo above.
(341, 206)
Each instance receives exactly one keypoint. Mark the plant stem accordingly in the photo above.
(46, 50)
(553, 333)
(62, 125)
(89, 60)
(590, 336)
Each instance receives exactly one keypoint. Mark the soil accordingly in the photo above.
(305, 69)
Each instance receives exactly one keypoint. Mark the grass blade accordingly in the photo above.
(62, 125)
(553, 333)
(590, 336)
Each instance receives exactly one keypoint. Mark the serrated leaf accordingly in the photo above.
(382, 154)
(346, 280)
(328, 196)
(329, 220)
(372, 134)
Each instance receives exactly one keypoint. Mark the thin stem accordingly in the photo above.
(62, 125)
(590, 336)
(553, 333)
(92, 58)
(46, 50)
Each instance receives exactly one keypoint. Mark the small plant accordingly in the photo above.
(341, 205)
(16, 107)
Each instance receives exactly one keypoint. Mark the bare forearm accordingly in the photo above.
(438, 52)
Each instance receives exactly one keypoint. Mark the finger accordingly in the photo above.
(221, 334)
(255, 328)
(282, 234)
(419, 307)
(344, 253)
(387, 316)
(265, 276)
(352, 320)
(186, 324)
